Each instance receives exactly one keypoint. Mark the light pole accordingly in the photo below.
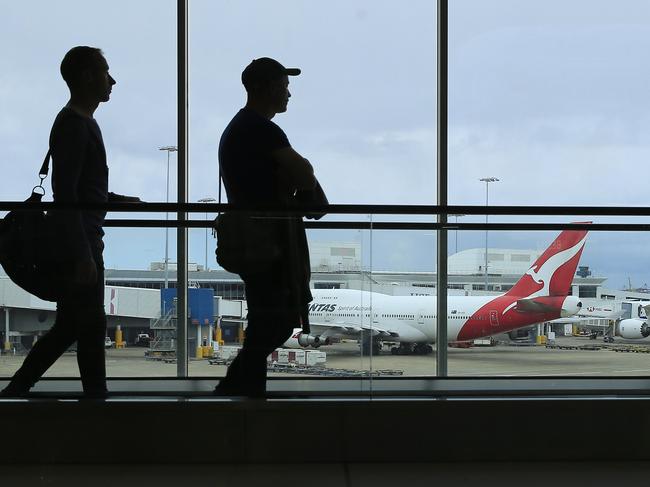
(487, 182)
(456, 215)
(206, 200)
(168, 148)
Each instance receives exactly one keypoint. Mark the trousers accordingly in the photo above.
(269, 326)
(80, 317)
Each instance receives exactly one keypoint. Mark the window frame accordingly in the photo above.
(182, 208)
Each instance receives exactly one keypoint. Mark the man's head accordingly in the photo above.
(267, 82)
(85, 71)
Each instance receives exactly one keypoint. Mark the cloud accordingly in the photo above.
(550, 98)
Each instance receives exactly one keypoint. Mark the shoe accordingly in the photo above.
(14, 392)
(95, 394)
(230, 391)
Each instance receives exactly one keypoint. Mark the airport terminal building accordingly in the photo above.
(134, 299)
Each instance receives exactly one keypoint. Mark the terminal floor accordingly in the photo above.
(332, 475)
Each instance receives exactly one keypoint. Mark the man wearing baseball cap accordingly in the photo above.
(260, 169)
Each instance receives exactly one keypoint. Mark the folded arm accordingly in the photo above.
(294, 171)
(120, 198)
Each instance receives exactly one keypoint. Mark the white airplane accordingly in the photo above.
(540, 295)
(626, 319)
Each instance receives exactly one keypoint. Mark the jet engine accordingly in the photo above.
(570, 306)
(300, 340)
(633, 329)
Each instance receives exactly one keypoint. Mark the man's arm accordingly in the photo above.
(315, 196)
(295, 172)
(120, 198)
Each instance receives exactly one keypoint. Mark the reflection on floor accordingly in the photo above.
(332, 475)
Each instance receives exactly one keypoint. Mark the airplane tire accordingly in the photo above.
(367, 347)
(420, 349)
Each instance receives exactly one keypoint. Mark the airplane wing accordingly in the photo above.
(584, 323)
(533, 306)
(614, 315)
(340, 329)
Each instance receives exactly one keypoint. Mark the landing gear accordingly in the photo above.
(403, 349)
(370, 345)
(422, 349)
(608, 339)
(412, 349)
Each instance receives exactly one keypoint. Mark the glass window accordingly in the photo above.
(363, 112)
(544, 96)
(533, 120)
(533, 324)
(138, 40)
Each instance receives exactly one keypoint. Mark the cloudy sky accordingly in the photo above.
(550, 97)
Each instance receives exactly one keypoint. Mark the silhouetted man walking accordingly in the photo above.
(79, 175)
(260, 169)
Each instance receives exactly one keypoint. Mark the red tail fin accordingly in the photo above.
(552, 273)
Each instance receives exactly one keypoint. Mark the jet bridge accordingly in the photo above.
(26, 315)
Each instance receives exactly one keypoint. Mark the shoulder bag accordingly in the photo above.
(247, 242)
(26, 253)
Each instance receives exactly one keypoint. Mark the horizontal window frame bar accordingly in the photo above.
(441, 387)
(202, 208)
(420, 226)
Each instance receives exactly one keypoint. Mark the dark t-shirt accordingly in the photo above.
(79, 174)
(248, 169)
(250, 175)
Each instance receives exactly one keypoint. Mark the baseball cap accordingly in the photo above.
(263, 70)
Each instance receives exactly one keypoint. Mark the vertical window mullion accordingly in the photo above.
(181, 234)
(441, 272)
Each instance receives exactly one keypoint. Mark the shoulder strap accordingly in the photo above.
(219, 183)
(45, 168)
(42, 174)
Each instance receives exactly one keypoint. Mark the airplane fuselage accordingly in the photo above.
(414, 318)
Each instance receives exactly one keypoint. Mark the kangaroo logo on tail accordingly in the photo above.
(552, 273)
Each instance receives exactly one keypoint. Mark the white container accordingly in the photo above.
(283, 356)
(314, 358)
(228, 352)
(297, 357)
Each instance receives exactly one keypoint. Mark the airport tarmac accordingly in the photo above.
(500, 361)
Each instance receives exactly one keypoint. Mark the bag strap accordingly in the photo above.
(220, 179)
(45, 168)
(214, 223)
(42, 174)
